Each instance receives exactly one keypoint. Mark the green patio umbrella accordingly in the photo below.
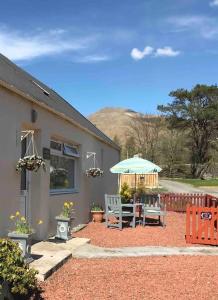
(135, 165)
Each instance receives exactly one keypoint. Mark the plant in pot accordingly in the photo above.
(64, 221)
(94, 172)
(30, 163)
(97, 213)
(22, 233)
(126, 193)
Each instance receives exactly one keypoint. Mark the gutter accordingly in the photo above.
(62, 115)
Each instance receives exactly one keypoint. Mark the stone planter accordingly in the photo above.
(97, 215)
(63, 228)
(24, 242)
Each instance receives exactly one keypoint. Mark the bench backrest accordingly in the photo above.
(151, 200)
(112, 202)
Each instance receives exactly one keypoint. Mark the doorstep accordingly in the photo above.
(52, 254)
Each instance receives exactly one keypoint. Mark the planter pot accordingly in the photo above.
(97, 216)
(24, 242)
(63, 228)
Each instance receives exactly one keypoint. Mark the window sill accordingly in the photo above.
(63, 192)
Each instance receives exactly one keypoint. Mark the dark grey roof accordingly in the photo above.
(26, 83)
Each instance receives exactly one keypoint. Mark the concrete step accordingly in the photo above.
(51, 255)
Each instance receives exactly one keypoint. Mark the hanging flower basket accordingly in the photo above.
(94, 172)
(30, 163)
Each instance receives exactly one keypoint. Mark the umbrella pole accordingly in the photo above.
(135, 189)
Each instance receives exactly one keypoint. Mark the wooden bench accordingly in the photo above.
(152, 206)
(114, 208)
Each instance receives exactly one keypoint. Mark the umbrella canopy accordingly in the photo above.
(135, 165)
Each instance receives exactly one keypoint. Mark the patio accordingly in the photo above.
(151, 235)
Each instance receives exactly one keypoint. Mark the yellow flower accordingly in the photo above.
(23, 219)
(17, 214)
(71, 203)
(12, 217)
(40, 222)
(66, 204)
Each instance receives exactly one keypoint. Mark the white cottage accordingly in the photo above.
(63, 137)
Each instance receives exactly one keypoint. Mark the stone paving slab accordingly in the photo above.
(51, 255)
(91, 251)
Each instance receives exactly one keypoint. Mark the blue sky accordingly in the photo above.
(113, 53)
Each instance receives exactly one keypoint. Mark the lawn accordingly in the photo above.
(198, 182)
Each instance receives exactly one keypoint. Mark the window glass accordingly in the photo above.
(55, 145)
(70, 151)
(62, 170)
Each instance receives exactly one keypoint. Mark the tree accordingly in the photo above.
(129, 147)
(172, 149)
(197, 112)
(146, 132)
(117, 140)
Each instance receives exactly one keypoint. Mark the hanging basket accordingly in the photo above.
(94, 172)
(30, 163)
(31, 160)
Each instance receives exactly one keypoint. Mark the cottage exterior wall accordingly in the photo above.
(15, 116)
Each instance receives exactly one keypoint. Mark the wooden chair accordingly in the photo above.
(114, 208)
(152, 206)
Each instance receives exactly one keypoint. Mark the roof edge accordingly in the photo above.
(62, 115)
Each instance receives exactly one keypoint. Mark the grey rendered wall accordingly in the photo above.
(15, 116)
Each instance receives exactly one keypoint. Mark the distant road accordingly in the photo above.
(179, 187)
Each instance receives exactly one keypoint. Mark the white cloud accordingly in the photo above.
(93, 58)
(207, 27)
(166, 51)
(137, 54)
(18, 46)
(149, 51)
(214, 3)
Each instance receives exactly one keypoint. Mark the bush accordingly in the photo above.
(20, 279)
(126, 193)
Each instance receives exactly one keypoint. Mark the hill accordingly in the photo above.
(115, 122)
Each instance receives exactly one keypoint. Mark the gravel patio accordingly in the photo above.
(151, 235)
(177, 277)
(160, 277)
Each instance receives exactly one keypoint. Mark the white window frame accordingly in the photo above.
(61, 154)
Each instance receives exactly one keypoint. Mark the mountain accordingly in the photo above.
(115, 122)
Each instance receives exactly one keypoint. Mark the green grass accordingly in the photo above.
(198, 182)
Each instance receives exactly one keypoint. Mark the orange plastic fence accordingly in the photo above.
(201, 225)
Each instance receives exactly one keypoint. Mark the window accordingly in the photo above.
(70, 150)
(55, 145)
(62, 168)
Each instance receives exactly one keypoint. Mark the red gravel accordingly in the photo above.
(172, 235)
(177, 277)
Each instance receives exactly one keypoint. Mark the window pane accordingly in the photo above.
(55, 145)
(61, 172)
(70, 151)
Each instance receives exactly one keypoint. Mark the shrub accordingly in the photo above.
(126, 193)
(20, 279)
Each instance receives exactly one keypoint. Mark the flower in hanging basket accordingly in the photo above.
(30, 163)
(94, 172)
